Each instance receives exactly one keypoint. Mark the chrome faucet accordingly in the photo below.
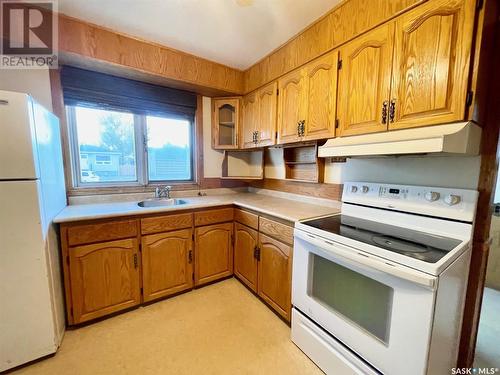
(163, 192)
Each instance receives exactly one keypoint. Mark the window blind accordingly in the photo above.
(92, 89)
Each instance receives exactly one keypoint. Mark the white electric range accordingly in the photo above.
(380, 287)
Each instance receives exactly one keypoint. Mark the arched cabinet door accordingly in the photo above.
(249, 120)
(213, 252)
(245, 261)
(104, 278)
(291, 106)
(167, 263)
(225, 123)
(364, 82)
(321, 77)
(266, 126)
(275, 271)
(431, 63)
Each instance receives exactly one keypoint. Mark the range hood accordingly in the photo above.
(461, 138)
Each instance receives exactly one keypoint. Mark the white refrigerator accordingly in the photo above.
(32, 193)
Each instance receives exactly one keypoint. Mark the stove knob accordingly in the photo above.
(354, 188)
(365, 189)
(432, 196)
(452, 199)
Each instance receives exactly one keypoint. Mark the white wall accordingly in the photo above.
(443, 171)
(212, 166)
(35, 82)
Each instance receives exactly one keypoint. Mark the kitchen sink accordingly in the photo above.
(161, 202)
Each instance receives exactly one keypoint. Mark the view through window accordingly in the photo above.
(109, 147)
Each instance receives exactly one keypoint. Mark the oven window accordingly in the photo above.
(358, 298)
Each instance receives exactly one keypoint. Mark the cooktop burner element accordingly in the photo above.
(419, 245)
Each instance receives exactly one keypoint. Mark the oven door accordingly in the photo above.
(381, 311)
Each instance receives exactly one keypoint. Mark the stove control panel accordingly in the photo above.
(459, 204)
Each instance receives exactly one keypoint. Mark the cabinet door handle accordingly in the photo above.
(136, 264)
(256, 253)
(384, 111)
(392, 110)
(190, 256)
(301, 128)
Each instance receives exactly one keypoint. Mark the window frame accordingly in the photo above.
(141, 162)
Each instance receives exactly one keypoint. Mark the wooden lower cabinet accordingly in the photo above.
(175, 254)
(245, 261)
(104, 278)
(167, 263)
(275, 270)
(213, 252)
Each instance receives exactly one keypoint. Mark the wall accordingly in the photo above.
(35, 82)
(443, 171)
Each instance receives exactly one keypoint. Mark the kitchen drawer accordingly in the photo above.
(167, 223)
(213, 216)
(277, 230)
(103, 231)
(247, 218)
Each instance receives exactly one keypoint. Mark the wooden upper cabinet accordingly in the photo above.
(167, 263)
(291, 106)
(213, 252)
(321, 75)
(431, 63)
(364, 82)
(275, 271)
(104, 278)
(245, 262)
(268, 107)
(249, 120)
(225, 123)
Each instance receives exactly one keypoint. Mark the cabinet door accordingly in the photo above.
(268, 107)
(431, 63)
(321, 96)
(104, 278)
(245, 262)
(225, 122)
(249, 120)
(275, 271)
(364, 82)
(291, 106)
(213, 253)
(167, 263)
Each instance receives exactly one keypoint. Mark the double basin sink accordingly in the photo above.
(160, 202)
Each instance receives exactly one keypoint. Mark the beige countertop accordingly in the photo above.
(285, 206)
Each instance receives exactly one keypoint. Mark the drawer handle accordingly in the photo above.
(190, 256)
(135, 261)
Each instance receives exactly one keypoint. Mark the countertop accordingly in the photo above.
(291, 207)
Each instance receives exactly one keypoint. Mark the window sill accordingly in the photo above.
(79, 191)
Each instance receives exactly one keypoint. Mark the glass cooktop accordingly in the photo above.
(419, 245)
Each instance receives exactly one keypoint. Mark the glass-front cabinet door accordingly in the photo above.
(225, 122)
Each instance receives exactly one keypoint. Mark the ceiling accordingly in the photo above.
(237, 33)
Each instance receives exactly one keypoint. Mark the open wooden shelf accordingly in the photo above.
(302, 163)
(243, 165)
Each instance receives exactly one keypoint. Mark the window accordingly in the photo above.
(168, 149)
(127, 132)
(119, 148)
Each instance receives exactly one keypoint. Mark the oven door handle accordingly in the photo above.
(352, 255)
